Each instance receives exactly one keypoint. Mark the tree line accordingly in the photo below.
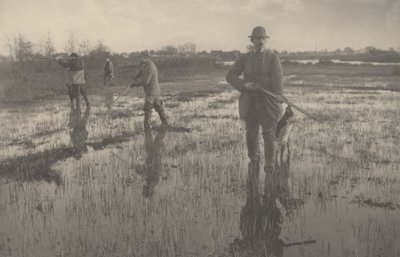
(21, 49)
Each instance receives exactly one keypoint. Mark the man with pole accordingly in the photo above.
(261, 68)
(148, 78)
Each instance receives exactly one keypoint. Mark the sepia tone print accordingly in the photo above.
(199, 128)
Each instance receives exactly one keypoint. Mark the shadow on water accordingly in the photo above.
(38, 166)
(35, 167)
(262, 216)
(154, 149)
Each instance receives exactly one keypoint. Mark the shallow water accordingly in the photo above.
(151, 208)
(184, 191)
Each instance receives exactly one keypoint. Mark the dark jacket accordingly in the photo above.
(108, 68)
(264, 69)
(76, 67)
(148, 78)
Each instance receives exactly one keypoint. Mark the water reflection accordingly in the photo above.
(261, 218)
(38, 166)
(78, 132)
(154, 149)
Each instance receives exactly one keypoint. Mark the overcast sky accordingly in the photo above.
(132, 25)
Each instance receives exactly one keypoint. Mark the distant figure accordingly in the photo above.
(261, 69)
(148, 78)
(77, 78)
(108, 73)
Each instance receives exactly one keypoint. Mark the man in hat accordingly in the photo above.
(77, 78)
(108, 72)
(148, 78)
(261, 68)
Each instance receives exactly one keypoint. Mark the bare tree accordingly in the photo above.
(10, 47)
(39, 48)
(168, 50)
(49, 49)
(84, 47)
(70, 45)
(187, 49)
(45, 47)
(23, 48)
(100, 50)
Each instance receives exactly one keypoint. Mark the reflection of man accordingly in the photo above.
(78, 133)
(261, 219)
(108, 72)
(153, 165)
(148, 78)
(77, 78)
(260, 68)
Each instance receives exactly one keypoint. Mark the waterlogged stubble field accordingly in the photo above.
(182, 192)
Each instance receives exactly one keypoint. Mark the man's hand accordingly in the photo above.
(250, 87)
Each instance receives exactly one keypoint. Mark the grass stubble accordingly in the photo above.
(343, 171)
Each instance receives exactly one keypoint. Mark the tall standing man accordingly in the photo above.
(108, 72)
(77, 78)
(261, 68)
(148, 78)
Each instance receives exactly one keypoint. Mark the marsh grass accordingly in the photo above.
(343, 183)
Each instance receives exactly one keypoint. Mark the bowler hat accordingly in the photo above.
(259, 32)
(73, 54)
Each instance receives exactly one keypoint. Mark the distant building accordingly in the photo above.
(225, 55)
(202, 54)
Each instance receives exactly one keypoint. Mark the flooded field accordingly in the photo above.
(93, 183)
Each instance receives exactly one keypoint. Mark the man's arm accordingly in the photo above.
(233, 75)
(135, 77)
(146, 75)
(64, 63)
